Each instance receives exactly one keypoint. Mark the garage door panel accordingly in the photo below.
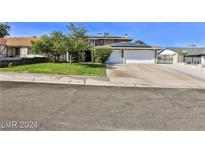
(137, 56)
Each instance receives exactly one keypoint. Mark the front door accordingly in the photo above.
(87, 56)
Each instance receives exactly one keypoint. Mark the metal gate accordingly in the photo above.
(165, 59)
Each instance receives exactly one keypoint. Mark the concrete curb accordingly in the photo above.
(101, 84)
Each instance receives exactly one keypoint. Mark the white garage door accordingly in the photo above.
(114, 57)
(139, 56)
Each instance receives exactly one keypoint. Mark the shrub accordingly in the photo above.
(10, 64)
(101, 54)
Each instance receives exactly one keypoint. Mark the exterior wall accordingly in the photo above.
(110, 41)
(106, 41)
(203, 60)
(23, 52)
(3, 51)
(180, 58)
(175, 58)
(11, 52)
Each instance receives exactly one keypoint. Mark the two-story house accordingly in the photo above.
(104, 39)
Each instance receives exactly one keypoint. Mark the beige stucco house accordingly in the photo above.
(187, 55)
(17, 47)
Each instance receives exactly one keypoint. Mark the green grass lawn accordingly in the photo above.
(60, 68)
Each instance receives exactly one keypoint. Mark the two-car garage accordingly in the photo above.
(138, 56)
(129, 53)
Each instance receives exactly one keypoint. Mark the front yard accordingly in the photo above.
(60, 68)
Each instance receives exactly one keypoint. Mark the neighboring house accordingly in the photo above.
(187, 55)
(130, 53)
(17, 47)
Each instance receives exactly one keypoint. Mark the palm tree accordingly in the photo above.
(4, 28)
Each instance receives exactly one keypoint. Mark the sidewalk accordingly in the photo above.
(188, 70)
(54, 78)
(85, 80)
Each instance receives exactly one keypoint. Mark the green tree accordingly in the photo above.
(76, 41)
(42, 45)
(52, 46)
(140, 42)
(183, 54)
(78, 31)
(58, 44)
(4, 28)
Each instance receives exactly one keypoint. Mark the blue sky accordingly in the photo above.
(154, 33)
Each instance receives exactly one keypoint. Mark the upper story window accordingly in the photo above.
(92, 42)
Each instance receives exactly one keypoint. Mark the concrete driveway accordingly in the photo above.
(152, 75)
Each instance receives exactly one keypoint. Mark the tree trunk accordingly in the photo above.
(70, 58)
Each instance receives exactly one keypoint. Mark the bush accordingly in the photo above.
(101, 54)
(10, 64)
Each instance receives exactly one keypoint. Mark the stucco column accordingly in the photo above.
(122, 57)
(203, 60)
(155, 56)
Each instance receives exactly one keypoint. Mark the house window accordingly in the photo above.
(116, 41)
(30, 51)
(17, 51)
(101, 42)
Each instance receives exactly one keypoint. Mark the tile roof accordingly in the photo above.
(191, 51)
(3, 41)
(18, 41)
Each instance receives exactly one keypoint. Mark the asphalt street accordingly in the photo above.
(80, 107)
